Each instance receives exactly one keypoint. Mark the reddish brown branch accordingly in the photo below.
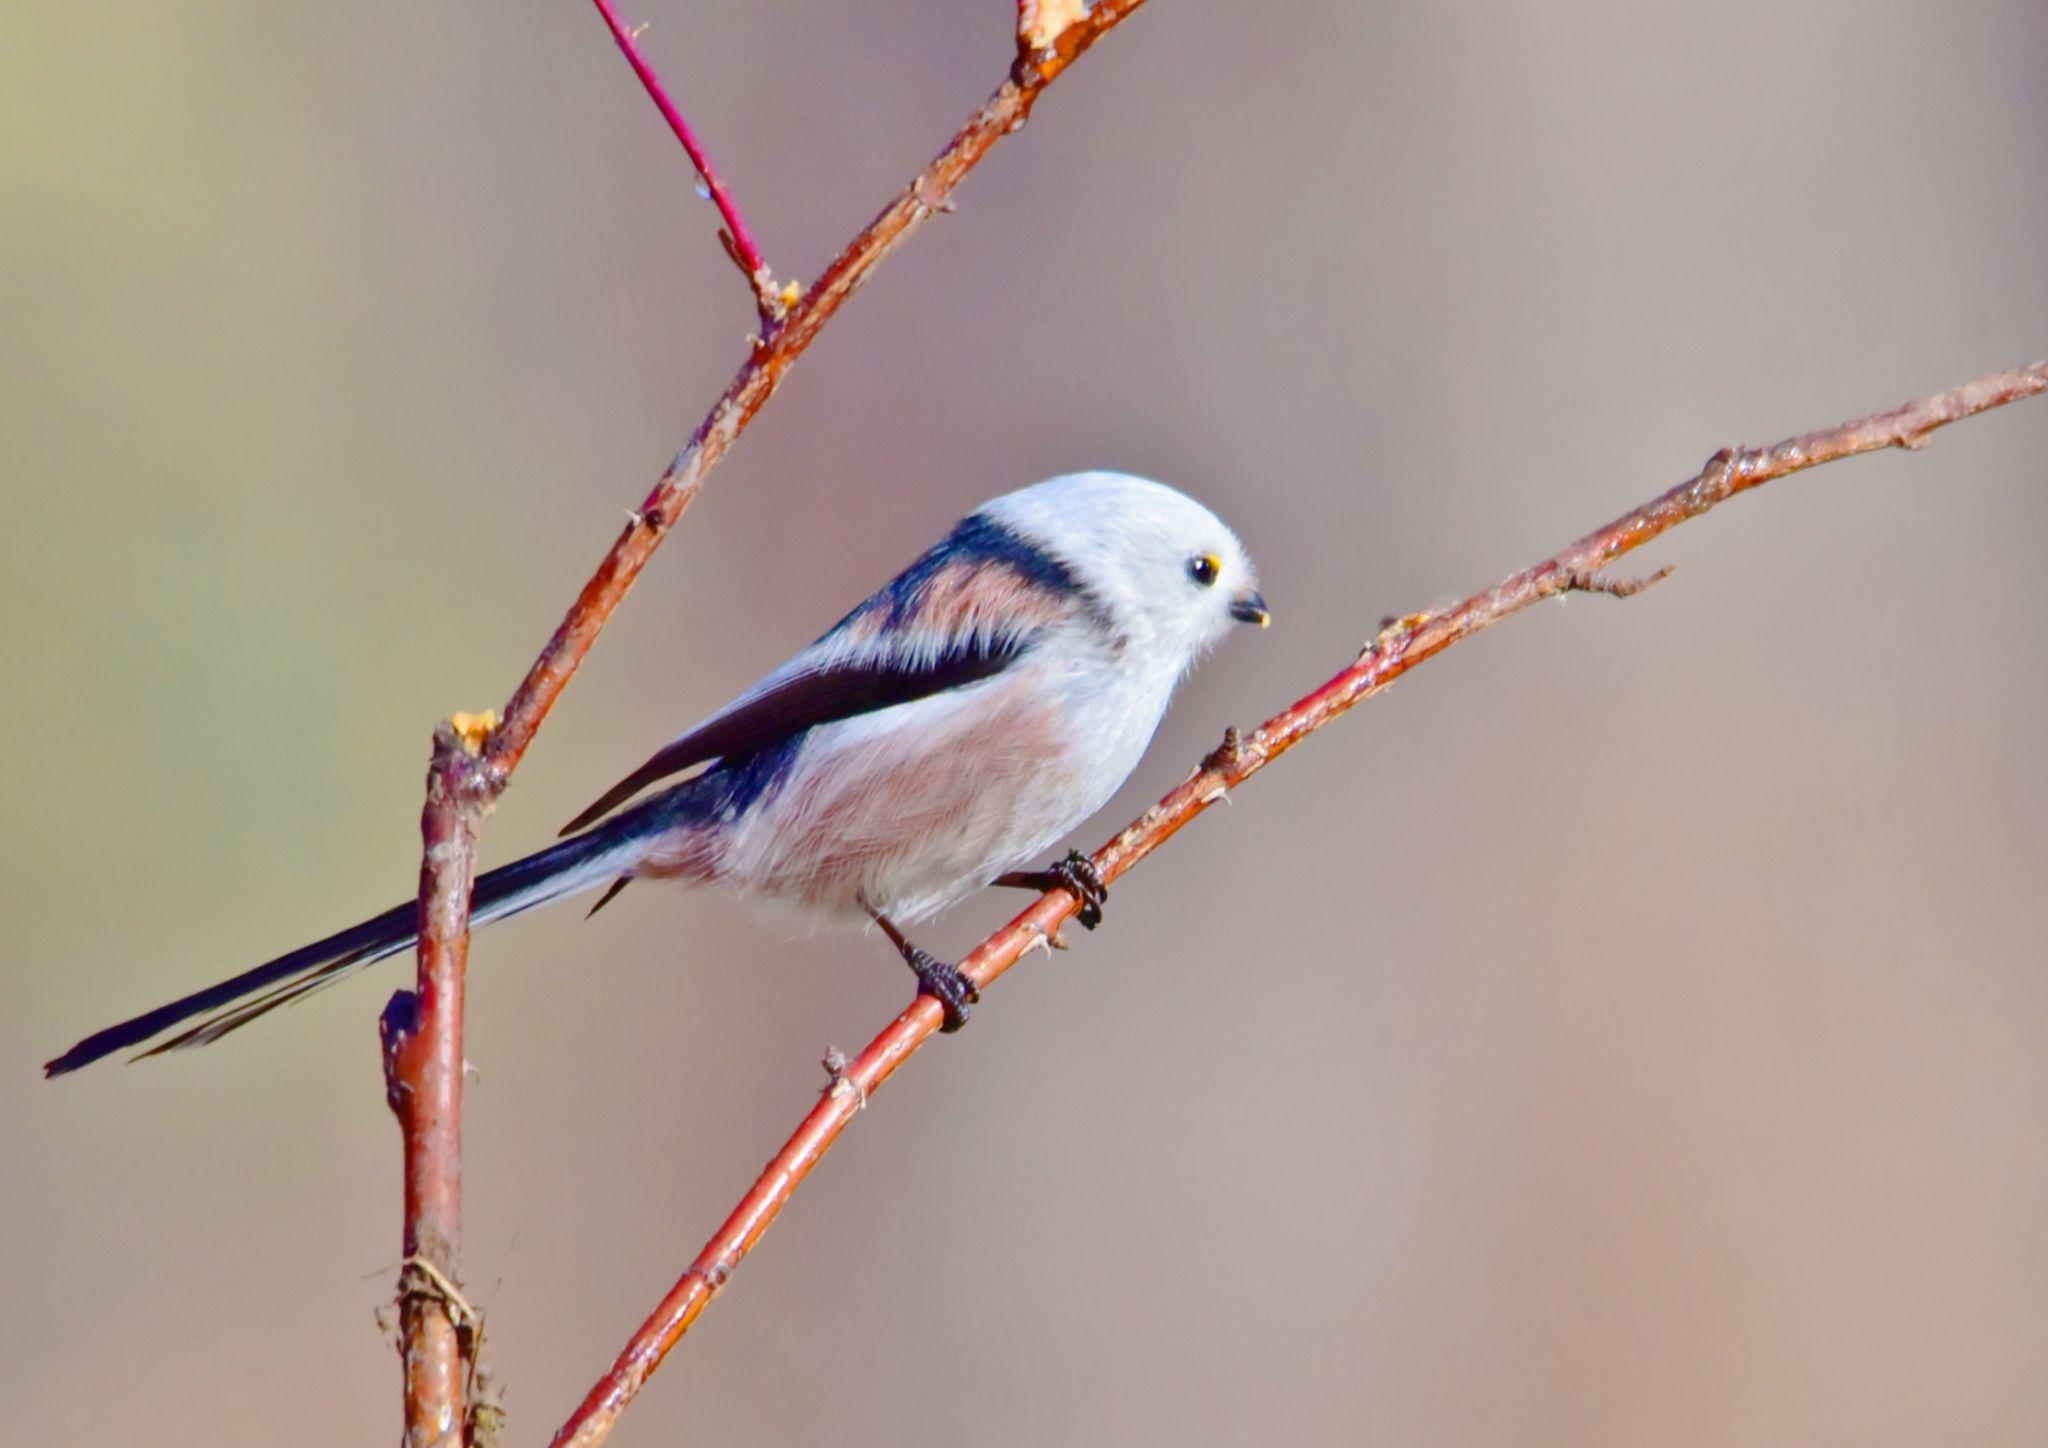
(473, 761)
(739, 241)
(422, 1034)
(1400, 646)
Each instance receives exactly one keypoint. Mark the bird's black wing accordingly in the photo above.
(970, 607)
(785, 706)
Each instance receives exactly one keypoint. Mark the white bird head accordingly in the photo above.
(1171, 577)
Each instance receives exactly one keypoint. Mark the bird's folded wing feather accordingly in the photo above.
(951, 619)
(789, 703)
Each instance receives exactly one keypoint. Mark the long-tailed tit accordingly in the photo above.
(962, 720)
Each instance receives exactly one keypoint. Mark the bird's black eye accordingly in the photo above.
(1205, 569)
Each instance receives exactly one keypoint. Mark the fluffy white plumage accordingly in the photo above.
(914, 806)
(954, 727)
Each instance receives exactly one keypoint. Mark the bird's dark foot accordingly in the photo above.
(945, 983)
(942, 981)
(1077, 875)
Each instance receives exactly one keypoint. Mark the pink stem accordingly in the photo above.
(745, 252)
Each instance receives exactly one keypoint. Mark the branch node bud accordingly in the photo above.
(473, 729)
(1041, 23)
(841, 1084)
(399, 1023)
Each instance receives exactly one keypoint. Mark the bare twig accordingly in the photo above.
(1401, 645)
(739, 242)
(422, 1035)
(474, 758)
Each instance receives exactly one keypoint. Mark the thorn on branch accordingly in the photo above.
(840, 1083)
(1227, 754)
(1229, 757)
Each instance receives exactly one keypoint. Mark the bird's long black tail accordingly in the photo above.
(568, 868)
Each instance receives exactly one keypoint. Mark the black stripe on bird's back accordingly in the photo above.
(975, 540)
(981, 541)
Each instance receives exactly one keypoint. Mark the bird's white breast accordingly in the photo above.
(915, 806)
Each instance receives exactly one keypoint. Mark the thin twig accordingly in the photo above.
(1400, 646)
(474, 758)
(738, 240)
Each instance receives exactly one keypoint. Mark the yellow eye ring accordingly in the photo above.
(1205, 569)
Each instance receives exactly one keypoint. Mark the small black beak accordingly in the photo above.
(1250, 608)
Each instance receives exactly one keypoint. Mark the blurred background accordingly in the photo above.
(1627, 1031)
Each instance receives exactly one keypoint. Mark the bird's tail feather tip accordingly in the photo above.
(580, 864)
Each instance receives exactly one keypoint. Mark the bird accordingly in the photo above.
(960, 722)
